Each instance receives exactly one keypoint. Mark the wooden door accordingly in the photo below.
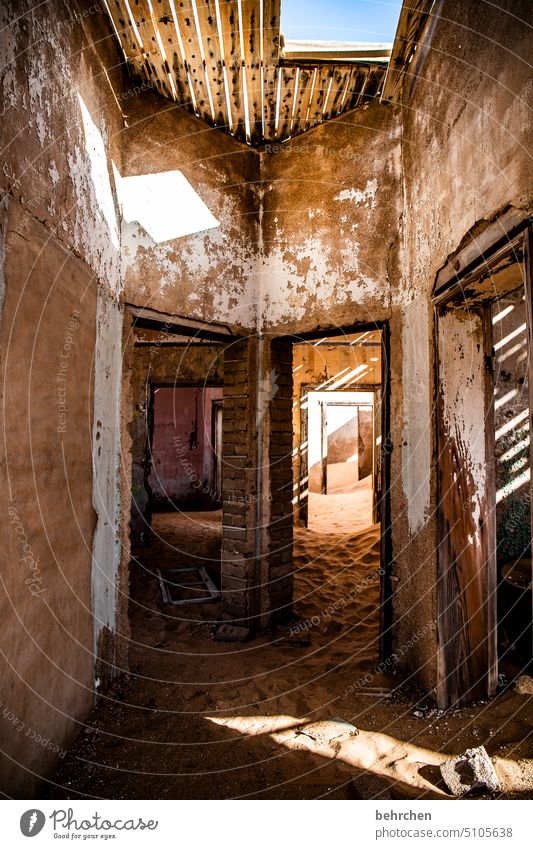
(466, 580)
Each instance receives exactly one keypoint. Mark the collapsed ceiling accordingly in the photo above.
(224, 60)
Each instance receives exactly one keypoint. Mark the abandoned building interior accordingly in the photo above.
(266, 313)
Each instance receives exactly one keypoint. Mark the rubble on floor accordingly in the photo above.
(524, 685)
(471, 771)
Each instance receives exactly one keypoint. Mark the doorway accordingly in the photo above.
(339, 412)
(341, 448)
(485, 583)
(340, 474)
(184, 463)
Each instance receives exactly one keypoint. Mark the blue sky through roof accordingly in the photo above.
(340, 20)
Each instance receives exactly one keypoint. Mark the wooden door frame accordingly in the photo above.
(324, 431)
(305, 388)
(384, 498)
(216, 405)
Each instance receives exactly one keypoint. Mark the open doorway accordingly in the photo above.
(337, 426)
(186, 429)
(183, 479)
(484, 333)
(341, 447)
(338, 495)
(176, 513)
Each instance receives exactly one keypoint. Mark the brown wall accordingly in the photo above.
(346, 224)
(465, 126)
(210, 275)
(59, 252)
(331, 207)
(50, 61)
(46, 633)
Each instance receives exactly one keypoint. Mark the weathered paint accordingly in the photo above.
(417, 431)
(62, 245)
(466, 561)
(330, 214)
(106, 550)
(212, 274)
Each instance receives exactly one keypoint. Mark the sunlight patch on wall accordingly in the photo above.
(164, 204)
(95, 148)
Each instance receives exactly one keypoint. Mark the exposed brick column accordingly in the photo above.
(257, 483)
(280, 524)
(239, 478)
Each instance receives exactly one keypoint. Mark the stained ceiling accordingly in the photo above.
(225, 61)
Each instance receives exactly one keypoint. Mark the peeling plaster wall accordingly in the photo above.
(417, 411)
(52, 158)
(210, 275)
(466, 126)
(58, 133)
(108, 587)
(467, 130)
(331, 206)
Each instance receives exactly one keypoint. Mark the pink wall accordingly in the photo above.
(182, 450)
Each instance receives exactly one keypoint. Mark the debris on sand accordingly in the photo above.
(471, 771)
(524, 685)
(226, 633)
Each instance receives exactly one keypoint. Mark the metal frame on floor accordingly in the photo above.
(212, 592)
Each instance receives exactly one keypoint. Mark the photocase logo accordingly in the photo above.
(32, 822)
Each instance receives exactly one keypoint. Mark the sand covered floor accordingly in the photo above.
(196, 718)
(342, 513)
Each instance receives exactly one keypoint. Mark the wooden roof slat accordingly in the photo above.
(305, 82)
(325, 74)
(128, 41)
(413, 18)
(168, 28)
(229, 18)
(221, 59)
(349, 85)
(356, 81)
(374, 84)
(193, 55)
(213, 59)
(288, 81)
(340, 77)
(271, 38)
(154, 61)
(252, 62)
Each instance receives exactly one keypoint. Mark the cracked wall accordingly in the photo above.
(465, 127)
(347, 224)
(209, 275)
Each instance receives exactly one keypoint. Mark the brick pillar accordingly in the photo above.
(239, 460)
(280, 523)
(257, 483)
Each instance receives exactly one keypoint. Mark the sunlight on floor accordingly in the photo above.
(396, 760)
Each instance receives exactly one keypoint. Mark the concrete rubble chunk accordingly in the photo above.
(524, 685)
(471, 771)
